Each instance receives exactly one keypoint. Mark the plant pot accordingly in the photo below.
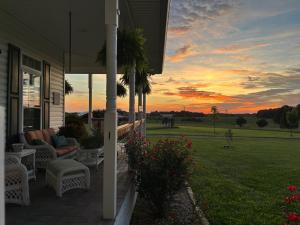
(17, 147)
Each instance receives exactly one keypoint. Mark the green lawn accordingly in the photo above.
(197, 129)
(246, 184)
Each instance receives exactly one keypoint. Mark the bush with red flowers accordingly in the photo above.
(291, 217)
(163, 171)
(135, 149)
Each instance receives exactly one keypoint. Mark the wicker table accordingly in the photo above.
(27, 157)
(90, 157)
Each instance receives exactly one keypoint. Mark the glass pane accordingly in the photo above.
(31, 101)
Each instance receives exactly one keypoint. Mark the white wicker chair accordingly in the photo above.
(16, 182)
(46, 153)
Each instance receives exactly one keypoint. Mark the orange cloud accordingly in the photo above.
(243, 58)
(182, 53)
(233, 49)
(177, 31)
(191, 92)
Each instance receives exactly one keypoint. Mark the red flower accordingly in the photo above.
(291, 198)
(292, 188)
(293, 217)
(297, 196)
(189, 145)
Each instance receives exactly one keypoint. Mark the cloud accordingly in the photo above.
(264, 96)
(178, 30)
(293, 70)
(257, 79)
(237, 48)
(182, 53)
(243, 58)
(186, 13)
(191, 92)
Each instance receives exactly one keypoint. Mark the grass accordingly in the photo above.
(246, 184)
(196, 129)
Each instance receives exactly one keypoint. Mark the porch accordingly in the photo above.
(79, 206)
(76, 207)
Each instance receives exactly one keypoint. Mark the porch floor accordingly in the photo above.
(76, 207)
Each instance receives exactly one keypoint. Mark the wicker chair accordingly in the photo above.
(16, 182)
(46, 152)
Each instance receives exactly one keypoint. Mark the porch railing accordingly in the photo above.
(123, 130)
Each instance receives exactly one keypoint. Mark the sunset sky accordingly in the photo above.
(240, 55)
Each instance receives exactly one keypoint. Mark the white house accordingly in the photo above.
(40, 41)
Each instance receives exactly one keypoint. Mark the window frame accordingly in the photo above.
(28, 69)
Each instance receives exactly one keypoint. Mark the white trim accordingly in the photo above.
(2, 145)
(27, 69)
(90, 113)
(132, 93)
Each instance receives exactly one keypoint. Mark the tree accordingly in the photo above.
(241, 121)
(261, 123)
(292, 119)
(121, 90)
(280, 117)
(214, 111)
(229, 138)
(68, 88)
(130, 54)
(141, 79)
(130, 49)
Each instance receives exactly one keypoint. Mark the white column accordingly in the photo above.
(144, 113)
(110, 117)
(90, 115)
(140, 109)
(2, 145)
(140, 103)
(132, 94)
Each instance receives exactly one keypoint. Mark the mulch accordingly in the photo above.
(181, 212)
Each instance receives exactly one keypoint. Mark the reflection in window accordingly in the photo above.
(31, 101)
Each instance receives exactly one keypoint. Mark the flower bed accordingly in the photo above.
(161, 170)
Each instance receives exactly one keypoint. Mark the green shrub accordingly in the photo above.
(95, 140)
(73, 131)
(135, 149)
(241, 121)
(74, 127)
(262, 123)
(162, 172)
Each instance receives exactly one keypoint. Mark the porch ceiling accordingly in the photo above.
(50, 20)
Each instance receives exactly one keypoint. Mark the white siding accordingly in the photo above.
(2, 144)
(40, 49)
(3, 85)
(3, 73)
(56, 85)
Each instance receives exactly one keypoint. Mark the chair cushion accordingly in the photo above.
(33, 135)
(65, 150)
(47, 133)
(57, 167)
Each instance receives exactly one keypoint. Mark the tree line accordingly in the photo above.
(286, 116)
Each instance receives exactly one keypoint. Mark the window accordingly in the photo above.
(31, 95)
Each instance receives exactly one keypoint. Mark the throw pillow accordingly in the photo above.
(59, 141)
(37, 142)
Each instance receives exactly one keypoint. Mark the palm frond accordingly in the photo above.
(121, 90)
(68, 88)
(130, 49)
